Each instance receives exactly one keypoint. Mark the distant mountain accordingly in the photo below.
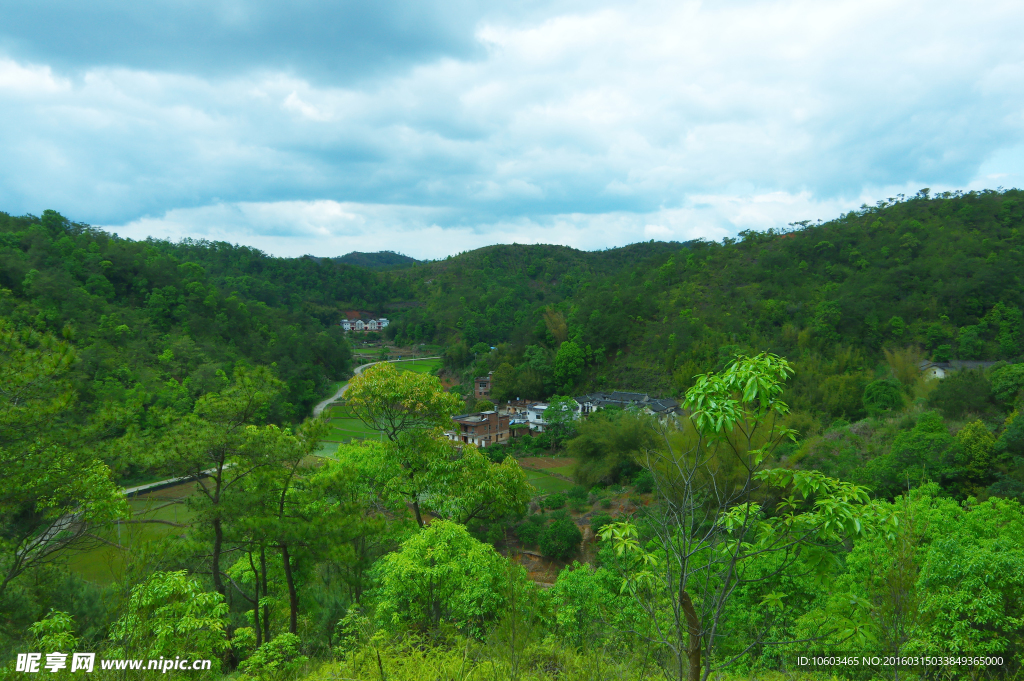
(381, 260)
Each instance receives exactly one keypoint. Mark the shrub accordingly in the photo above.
(961, 393)
(644, 482)
(579, 505)
(556, 500)
(881, 397)
(278, 658)
(577, 492)
(560, 539)
(606, 503)
(528, 533)
(599, 520)
(529, 530)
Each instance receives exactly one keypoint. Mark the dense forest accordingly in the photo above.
(817, 494)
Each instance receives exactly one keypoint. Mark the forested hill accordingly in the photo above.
(382, 260)
(939, 275)
(158, 324)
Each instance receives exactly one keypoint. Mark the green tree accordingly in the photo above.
(883, 397)
(569, 363)
(961, 393)
(394, 402)
(977, 446)
(1008, 383)
(169, 614)
(220, 445)
(56, 492)
(561, 539)
(418, 462)
(561, 417)
(709, 526)
(442, 575)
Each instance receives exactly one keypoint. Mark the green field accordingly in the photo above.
(567, 471)
(546, 483)
(420, 366)
(103, 563)
(345, 427)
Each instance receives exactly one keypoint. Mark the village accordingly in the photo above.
(521, 417)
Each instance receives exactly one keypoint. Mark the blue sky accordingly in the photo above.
(431, 128)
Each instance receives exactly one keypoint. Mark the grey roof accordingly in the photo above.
(660, 406)
(956, 364)
(627, 397)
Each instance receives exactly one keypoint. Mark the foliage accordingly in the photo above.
(553, 501)
(607, 445)
(1008, 383)
(561, 539)
(276, 659)
(55, 632)
(962, 393)
(170, 614)
(883, 397)
(442, 575)
(528, 532)
(395, 402)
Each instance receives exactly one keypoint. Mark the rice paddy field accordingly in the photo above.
(546, 484)
(103, 563)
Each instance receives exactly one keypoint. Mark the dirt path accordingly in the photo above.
(542, 462)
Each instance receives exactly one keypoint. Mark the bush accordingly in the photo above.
(579, 505)
(529, 530)
(553, 501)
(962, 393)
(606, 503)
(577, 492)
(279, 658)
(883, 397)
(599, 520)
(644, 482)
(560, 539)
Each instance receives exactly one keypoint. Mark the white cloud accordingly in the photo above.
(590, 127)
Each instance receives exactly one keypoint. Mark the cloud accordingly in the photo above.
(593, 124)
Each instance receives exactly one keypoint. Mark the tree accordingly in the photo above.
(569, 363)
(451, 480)
(219, 445)
(286, 510)
(561, 416)
(961, 393)
(715, 516)
(169, 614)
(1008, 383)
(442, 575)
(54, 495)
(882, 397)
(394, 402)
(561, 539)
(418, 462)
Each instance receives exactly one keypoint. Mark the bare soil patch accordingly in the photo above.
(542, 462)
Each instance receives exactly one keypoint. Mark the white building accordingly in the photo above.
(364, 324)
(536, 411)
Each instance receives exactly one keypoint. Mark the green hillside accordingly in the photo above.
(381, 260)
(939, 274)
(823, 496)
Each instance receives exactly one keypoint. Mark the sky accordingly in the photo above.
(430, 128)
